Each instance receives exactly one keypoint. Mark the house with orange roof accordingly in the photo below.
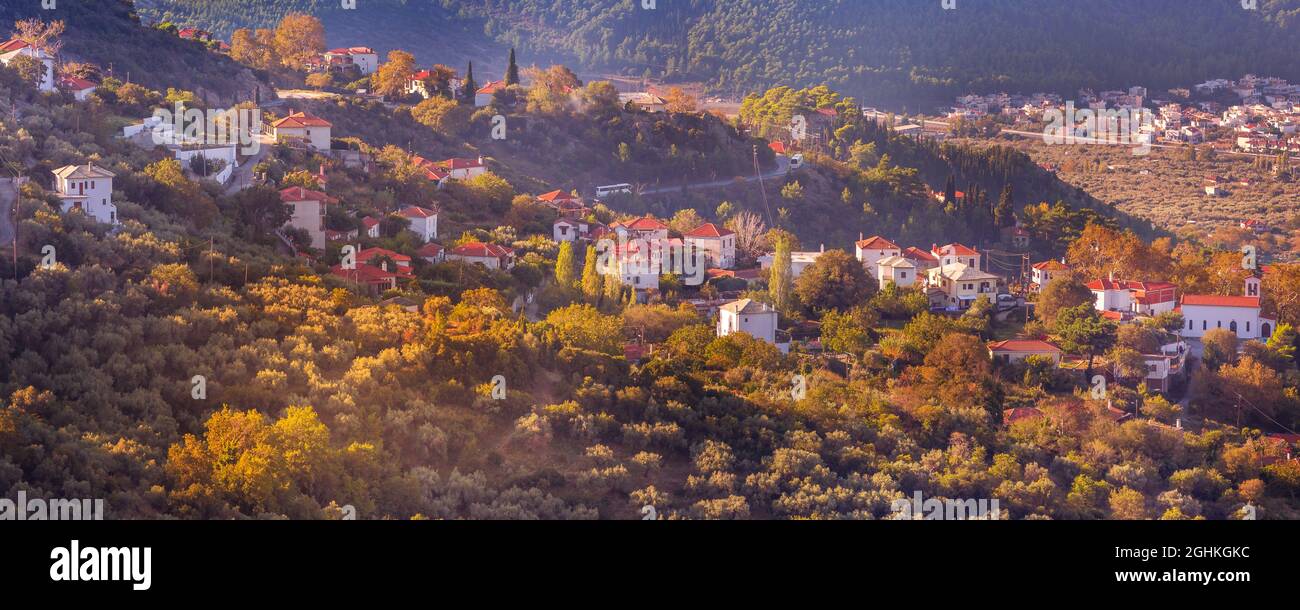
(491, 256)
(956, 253)
(424, 222)
(373, 280)
(307, 212)
(716, 244)
(1239, 314)
(1134, 297)
(11, 49)
(924, 261)
(483, 96)
(379, 257)
(647, 227)
(371, 226)
(432, 253)
(1046, 271)
(364, 58)
(871, 250)
(80, 88)
(304, 127)
(1017, 350)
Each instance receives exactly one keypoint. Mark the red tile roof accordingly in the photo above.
(1023, 345)
(1210, 300)
(369, 221)
(954, 250)
(460, 163)
(75, 84)
(1052, 265)
(481, 250)
(370, 253)
(710, 230)
(877, 243)
(429, 250)
(777, 147)
(915, 253)
(13, 45)
(415, 211)
(301, 119)
(646, 223)
(554, 196)
(297, 193)
(364, 274)
(492, 87)
(1011, 416)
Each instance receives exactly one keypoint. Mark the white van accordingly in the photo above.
(605, 191)
(796, 161)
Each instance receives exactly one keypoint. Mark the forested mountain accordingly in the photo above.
(107, 33)
(882, 51)
(424, 27)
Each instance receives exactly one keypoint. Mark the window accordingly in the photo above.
(1203, 324)
(1189, 325)
(902, 275)
(1248, 327)
(1233, 326)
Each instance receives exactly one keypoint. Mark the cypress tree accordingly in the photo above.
(469, 88)
(512, 71)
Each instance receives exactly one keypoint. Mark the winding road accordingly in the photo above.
(782, 168)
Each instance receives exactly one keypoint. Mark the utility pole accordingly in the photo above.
(212, 240)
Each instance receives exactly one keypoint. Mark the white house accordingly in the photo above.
(798, 261)
(88, 188)
(21, 48)
(371, 225)
(1017, 350)
(305, 127)
(483, 96)
(80, 88)
(1239, 314)
(424, 222)
(1144, 298)
(962, 285)
(307, 212)
(746, 316)
(647, 227)
(364, 58)
(871, 250)
(895, 270)
(491, 256)
(1046, 271)
(717, 245)
(566, 229)
(463, 169)
(956, 253)
(644, 102)
(432, 253)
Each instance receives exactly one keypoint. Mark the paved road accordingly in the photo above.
(782, 168)
(243, 176)
(8, 194)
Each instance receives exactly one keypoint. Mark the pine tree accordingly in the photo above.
(950, 190)
(591, 286)
(781, 284)
(564, 265)
(512, 71)
(1005, 214)
(469, 88)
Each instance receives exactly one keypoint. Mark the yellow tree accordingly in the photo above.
(678, 100)
(298, 39)
(391, 77)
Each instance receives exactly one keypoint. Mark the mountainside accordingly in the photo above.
(430, 32)
(883, 51)
(108, 33)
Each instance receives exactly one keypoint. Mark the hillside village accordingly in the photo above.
(356, 275)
